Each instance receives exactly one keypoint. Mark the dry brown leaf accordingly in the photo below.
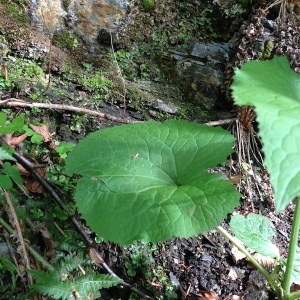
(265, 261)
(22, 170)
(43, 131)
(30, 182)
(95, 256)
(211, 295)
(295, 287)
(16, 140)
(237, 255)
(33, 186)
(235, 179)
(232, 275)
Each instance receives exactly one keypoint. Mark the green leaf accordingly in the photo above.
(274, 89)
(256, 233)
(36, 138)
(15, 125)
(148, 181)
(2, 119)
(12, 171)
(4, 155)
(5, 182)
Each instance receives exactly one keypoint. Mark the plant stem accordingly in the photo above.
(239, 245)
(287, 281)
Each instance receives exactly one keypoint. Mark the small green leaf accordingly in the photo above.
(256, 233)
(2, 119)
(36, 138)
(64, 148)
(5, 182)
(15, 125)
(148, 181)
(274, 89)
(4, 155)
(12, 171)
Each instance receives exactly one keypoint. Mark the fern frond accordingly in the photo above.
(85, 287)
(67, 246)
(88, 286)
(71, 262)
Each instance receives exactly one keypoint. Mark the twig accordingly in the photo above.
(77, 224)
(16, 224)
(220, 122)
(13, 102)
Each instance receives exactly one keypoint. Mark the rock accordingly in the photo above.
(199, 73)
(216, 51)
(89, 19)
(164, 107)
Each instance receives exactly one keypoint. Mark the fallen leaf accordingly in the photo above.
(232, 275)
(235, 179)
(207, 295)
(16, 140)
(22, 170)
(43, 131)
(95, 256)
(31, 183)
(33, 186)
(237, 255)
(265, 261)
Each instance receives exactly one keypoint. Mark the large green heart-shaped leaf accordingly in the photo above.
(274, 89)
(148, 181)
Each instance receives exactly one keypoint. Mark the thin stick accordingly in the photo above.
(220, 122)
(16, 224)
(13, 102)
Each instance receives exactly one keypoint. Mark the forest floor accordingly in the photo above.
(201, 267)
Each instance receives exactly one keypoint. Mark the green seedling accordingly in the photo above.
(35, 138)
(64, 148)
(8, 175)
(15, 125)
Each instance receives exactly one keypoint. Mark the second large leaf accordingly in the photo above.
(148, 181)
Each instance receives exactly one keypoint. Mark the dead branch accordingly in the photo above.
(13, 102)
(19, 234)
(220, 122)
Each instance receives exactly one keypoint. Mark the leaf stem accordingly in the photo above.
(238, 244)
(287, 281)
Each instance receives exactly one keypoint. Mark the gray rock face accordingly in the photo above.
(89, 19)
(217, 51)
(199, 73)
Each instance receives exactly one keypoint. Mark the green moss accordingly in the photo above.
(66, 40)
(66, 4)
(15, 11)
(148, 4)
